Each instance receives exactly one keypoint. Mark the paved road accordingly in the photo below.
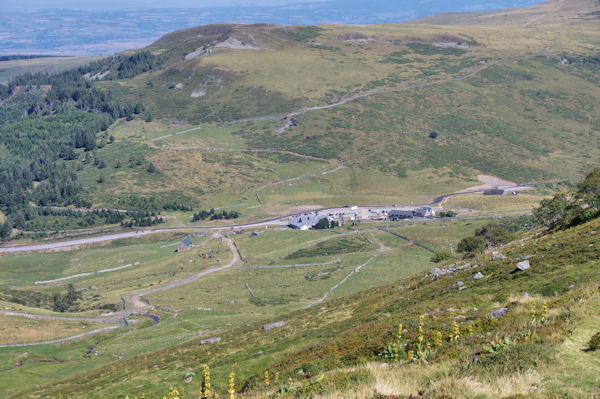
(280, 221)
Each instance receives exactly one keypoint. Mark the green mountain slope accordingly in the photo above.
(454, 349)
(413, 111)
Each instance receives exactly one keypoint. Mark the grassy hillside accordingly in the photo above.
(515, 110)
(413, 111)
(339, 346)
(550, 12)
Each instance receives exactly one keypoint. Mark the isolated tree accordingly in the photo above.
(493, 235)
(471, 245)
(551, 212)
(5, 229)
(440, 256)
(322, 224)
(72, 294)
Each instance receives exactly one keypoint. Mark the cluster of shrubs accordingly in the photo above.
(572, 208)
(488, 236)
(213, 215)
(62, 303)
(326, 224)
(447, 214)
(142, 219)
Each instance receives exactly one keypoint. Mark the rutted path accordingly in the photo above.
(333, 262)
(135, 298)
(58, 318)
(58, 341)
(329, 291)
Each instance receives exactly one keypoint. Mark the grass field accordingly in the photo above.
(108, 272)
(492, 203)
(17, 330)
(208, 307)
(353, 329)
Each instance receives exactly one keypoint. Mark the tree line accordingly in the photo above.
(214, 215)
(42, 129)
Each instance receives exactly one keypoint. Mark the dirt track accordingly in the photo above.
(134, 303)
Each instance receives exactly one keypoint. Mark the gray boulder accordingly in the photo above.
(477, 276)
(499, 313)
(213, 340)
(462, 287)
(522, 266)
(497, 255)
(458, 284)
(271, 326)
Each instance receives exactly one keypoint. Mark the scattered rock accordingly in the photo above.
(499, 313)
(458, 284)
(188, 380)
(521, 266)
(462, 287)
(207, 309)
(271, 326)
(437, 272)
(188, 374)
(478, 276)
(213, 340)
(571, 286)
(384, 365)
(497, 255)
(139, 386)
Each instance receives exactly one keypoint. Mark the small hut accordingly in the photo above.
(185, 244)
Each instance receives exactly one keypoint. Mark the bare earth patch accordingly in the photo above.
(489, 181)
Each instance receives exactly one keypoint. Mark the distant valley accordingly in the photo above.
(84, 32)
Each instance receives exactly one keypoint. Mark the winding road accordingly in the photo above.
(280, 221)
